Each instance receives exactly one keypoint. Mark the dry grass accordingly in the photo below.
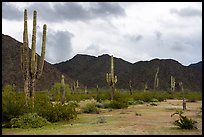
(153, 120)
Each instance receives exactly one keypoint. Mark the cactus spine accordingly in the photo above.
(173, 83)
(111, 78)
(29, 63)
(156, 80)
(63, 89)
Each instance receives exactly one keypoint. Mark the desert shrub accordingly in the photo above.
(184, 122)
(153, 104)
(29, 120)
(118, 104)
(138, 102)
(193, 96)
(13, 104)
(154, 100)
(54, 111)
(101, 119)
(120, 101)
(99, 105)
(74, 103)
(104, 96)
(56, 92)
(106, 103)
(58, 112)
(90, 108)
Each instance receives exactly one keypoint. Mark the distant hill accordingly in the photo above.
(11, 71)
(196, 65)
(91, 70)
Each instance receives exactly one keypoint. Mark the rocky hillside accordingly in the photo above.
(11, 70)
(92, 70)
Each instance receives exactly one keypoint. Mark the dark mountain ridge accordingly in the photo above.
(91, 71)
(11, 69)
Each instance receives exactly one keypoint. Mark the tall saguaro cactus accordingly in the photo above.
(62, 89)
(130, 86)
(111, 78)
(156, 80)
(25, 58)
(173, 83)
(29, 62)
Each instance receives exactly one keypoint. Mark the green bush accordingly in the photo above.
(101, 119)
(154, 100)
(90, 108)
(105, 103)
(118, 104)
(56, 92)
(58, 112)
(29, 120)
(54, 111)
(183, 122)
(13, 104)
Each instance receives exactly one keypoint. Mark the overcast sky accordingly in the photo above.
(133, 31)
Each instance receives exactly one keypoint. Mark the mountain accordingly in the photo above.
(11, 69)
(91, 70)
(196, 65)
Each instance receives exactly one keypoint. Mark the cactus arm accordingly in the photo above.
(33, 48)
(42, 51)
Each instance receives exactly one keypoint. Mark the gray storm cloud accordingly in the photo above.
(59, 46)
(187, 12)
(68, 11)
(11, 13)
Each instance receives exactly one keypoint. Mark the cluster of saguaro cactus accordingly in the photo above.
(29, 62)
(111, 78)
(75, 86)
(63, 89)
(173, 83)
(130, 86)
(156, 80)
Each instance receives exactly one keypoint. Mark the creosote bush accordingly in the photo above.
(90, 108)
(29, 120)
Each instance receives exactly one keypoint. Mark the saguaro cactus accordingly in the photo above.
(156, 80)
(130, 87)
(25, 57)
(173, 83)
(182, 90)
(29, 62)
(111, 78)
(97, 93)
(75, 85)
(63, 89)
(145, 87)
